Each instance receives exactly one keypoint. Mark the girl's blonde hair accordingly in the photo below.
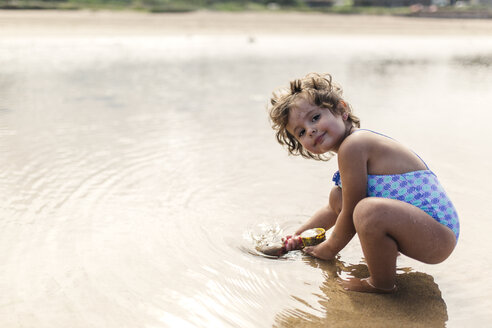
(318, 90)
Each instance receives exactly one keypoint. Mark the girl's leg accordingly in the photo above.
(386, 226)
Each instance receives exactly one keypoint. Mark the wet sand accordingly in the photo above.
(103, 23)
(417, 303)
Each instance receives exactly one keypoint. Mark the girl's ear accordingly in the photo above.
(343, 104)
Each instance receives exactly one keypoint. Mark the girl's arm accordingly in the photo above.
(324, 218)
(352, 162)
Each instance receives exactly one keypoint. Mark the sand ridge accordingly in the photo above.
(31, 23)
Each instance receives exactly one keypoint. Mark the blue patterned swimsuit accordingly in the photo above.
(419, 188)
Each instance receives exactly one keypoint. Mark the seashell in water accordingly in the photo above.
(313, 237)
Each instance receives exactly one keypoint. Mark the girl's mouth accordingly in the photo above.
(319, 139)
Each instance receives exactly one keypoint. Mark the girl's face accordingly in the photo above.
(317, 129)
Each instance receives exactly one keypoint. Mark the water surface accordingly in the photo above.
(137, 172)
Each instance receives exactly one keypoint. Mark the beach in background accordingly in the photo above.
(128, 23)
(139, 169)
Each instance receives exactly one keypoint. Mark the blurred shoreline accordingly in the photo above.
(49, 23)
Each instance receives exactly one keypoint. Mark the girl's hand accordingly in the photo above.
(292, 242)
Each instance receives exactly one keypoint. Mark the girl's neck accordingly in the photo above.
(349, 129)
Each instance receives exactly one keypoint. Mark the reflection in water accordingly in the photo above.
(134, 170)
(417, 303)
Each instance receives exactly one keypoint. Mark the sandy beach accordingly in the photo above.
(104, 23)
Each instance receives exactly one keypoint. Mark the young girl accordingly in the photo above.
(384, 192)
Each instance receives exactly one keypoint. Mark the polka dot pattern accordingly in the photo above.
(420, 188)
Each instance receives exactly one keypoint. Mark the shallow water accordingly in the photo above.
(138, 172)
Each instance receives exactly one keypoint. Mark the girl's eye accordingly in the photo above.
(301, 133)
(316, 117)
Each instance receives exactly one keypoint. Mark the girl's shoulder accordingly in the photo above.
(356, 145)
(358, 140)
(367, 138)
(383, 154)
(361, 143)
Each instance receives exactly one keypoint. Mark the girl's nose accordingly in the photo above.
(313, 131)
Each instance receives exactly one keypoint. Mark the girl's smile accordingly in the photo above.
(316, 128)
(319, 139)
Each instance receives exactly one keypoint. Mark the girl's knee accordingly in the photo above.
(335, 201)
(369, 215)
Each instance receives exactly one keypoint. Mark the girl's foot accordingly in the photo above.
(320, 251)
(364, 286)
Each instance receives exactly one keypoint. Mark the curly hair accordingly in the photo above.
(318, 90)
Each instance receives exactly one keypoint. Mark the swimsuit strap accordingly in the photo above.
(395, 140)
